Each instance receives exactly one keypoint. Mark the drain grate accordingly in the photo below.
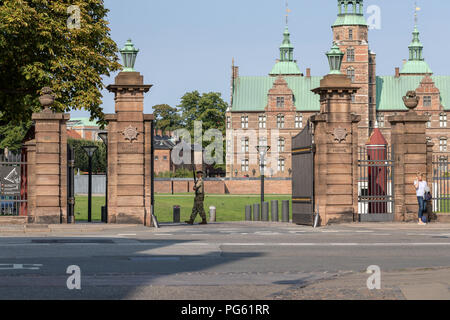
(80, 241)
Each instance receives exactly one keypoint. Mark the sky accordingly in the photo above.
(189, 45)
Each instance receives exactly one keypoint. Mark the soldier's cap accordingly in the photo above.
(200, 171)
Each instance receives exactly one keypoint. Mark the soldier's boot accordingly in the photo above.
(203, 222)
(189, 222)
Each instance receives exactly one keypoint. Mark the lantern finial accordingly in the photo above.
(129, 53)
(335, 56)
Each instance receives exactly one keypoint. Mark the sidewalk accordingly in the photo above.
(67, 228)
(424, 284)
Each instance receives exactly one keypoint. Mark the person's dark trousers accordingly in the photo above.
(422, 208)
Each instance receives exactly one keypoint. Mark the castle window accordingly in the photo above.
(280, 102)
(228, 122)
(427, 101)
(262, 121)
(443, 145)
(380, 120)
(443, 120)
(244, 145)
(281, 163)
(156, 158)
(244, 165)
(280, 121)
(353, 97)
(350, 55)
(429, 120)
(351, 74)
(244, 122)
(228, 146)
(281, 144)
(350, 34)
(298, 121)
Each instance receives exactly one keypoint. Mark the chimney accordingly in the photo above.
(397, 72)
(308, 72)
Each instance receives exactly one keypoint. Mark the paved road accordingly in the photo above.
(224, 261)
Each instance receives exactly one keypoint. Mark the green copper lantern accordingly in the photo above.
(129, 54)
(335, 56)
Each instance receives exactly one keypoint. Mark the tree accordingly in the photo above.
(167, 118)
(208, 108)
(38, 49)
(81, 158)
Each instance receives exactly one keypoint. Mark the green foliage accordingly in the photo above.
(167, 118)
(37, 49)
(12, 134)
(208, 107)
(179, 173)
(82, 160)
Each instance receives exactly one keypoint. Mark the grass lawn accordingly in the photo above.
(228, 207)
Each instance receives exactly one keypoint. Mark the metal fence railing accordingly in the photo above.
(441, 183)
(13, 184)
(376, 180)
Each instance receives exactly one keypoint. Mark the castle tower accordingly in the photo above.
(350, 33)
(416, 64)
(286, 65)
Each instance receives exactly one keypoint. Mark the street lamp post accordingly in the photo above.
(90, 150)
(262, 150)
(104, 137)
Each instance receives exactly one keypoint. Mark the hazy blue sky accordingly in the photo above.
(188, 45)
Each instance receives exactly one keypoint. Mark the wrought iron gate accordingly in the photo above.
(376, 184)
(303, 177)
(70, 185)
(13, 184)
(441, 185)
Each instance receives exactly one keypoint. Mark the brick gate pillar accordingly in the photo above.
(410, 152)
(49, 172)
(129, 147)
(336, 139)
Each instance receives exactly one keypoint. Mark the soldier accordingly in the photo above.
(198, 202)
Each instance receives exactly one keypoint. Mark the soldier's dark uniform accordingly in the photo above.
(198, 201)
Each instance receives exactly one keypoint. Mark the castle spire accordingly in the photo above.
(350, 12)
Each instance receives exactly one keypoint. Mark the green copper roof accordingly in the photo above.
(85, 122)
(285, 68)
(390, 90)
(250, 93)
(286, 64)
(416, 63)
(350, 20)
(416, 67)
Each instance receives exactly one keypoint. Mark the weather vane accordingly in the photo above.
(287, 12)
(416, 9)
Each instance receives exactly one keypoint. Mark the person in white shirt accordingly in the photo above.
(420, 186)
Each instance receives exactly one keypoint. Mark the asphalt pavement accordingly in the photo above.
(230, 261)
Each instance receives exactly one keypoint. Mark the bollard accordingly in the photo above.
(285, 211)
(256, 212)
(274, 210)
(176, 214)
(248, 213)
(265, 211)
(212, 214)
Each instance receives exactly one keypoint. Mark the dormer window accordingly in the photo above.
(427, 101)
(280, 102)
(350, 34)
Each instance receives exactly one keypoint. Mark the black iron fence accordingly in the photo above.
(13, 184)
(376, 183)
(441, 183)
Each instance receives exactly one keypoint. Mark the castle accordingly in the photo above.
(283, 100)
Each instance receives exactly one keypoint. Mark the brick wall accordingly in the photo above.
(225, 186)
